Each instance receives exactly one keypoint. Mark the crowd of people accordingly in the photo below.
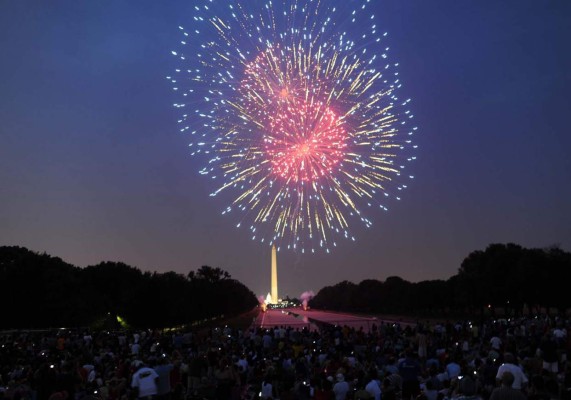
(510, 359)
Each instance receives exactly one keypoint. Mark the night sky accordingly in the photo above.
(93, 167)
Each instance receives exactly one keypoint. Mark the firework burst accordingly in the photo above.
(294, 103)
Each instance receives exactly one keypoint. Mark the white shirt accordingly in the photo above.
(453, 370)
(519, 376)
(559, 333)
(374, 389)
(144, 379)
(266, 391)
(496, 342)
(341, 389)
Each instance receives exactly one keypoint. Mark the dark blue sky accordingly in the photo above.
(92, 166)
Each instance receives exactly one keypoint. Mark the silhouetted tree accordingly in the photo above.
(208, 274)
(503, 275)
(40, 291)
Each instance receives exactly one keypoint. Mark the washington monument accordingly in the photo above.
(274, 282)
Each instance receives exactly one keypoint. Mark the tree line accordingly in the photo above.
(41, 291)
(504, 277)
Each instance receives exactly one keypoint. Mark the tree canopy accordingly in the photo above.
(502, 275)
(39, 291)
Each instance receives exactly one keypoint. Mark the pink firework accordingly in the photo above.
(295, 105)
(306, 141)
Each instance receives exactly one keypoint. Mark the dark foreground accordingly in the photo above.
(312, 355)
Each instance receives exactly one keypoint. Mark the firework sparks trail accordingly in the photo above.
(294, 104)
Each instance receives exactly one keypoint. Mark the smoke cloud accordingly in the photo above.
(305, 297)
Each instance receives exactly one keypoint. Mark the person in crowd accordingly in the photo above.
(341, 388)
(334, 362)
(510, 365)
(548, 351)
(453, 369)
(163, 370)
(267, 390)
(429, 390)
(410, 370)
(373, 387)
(467, 389)
(537, 390)
(144, 381)
(506, 391)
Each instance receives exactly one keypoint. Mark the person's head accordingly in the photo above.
(538, 383)
(467, 386)
(429, 385)
(63, 395)
(509, 358)
(507, 379)
(363, 395)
